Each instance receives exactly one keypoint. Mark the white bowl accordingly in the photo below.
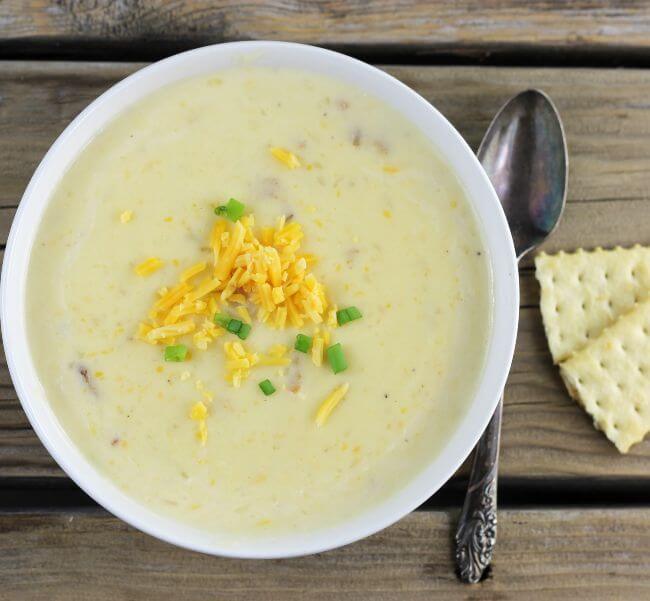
(201, 61)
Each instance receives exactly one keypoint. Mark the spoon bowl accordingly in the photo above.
(524, 154)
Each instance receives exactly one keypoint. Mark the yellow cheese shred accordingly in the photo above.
(330, 403)
(148, 266)
(285, 156)
(190, 272)
(198, 411)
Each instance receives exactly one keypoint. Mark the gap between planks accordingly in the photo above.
(56, 495)
(588, 31)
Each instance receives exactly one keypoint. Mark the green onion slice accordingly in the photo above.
(342, 317)
(244, 331)
(233, 210)
(175, 352)
(221, 319)
(354, 313)
(336, 358)
(303, 343)
(266, 387)
(349, 314)
(234, 325)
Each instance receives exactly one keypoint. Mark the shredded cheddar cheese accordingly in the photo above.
(257, 274)
(190, 272)
(148, 266)
(199, 413)
(260, 269)
(286, 157)
(330, 403)
(126, 216)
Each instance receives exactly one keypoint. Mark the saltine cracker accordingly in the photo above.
(584, 292)
(610, 378)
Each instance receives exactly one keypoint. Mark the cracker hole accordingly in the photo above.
(606, 275)
(601, 364)
(610, 304)
(615, 426)
(584, 306)
(641, 369)
(598, 404)
(637, 408)
(580, 277)
(645, 331)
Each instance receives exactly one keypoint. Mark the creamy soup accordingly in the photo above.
(340, 203)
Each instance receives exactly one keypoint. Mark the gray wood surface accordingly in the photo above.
(463, 28)
(607, 118)
(590, 555)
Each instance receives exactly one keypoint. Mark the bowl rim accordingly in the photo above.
(496, 237)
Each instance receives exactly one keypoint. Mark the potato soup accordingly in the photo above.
(259, 301)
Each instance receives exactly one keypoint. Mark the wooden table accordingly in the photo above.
(574, 515)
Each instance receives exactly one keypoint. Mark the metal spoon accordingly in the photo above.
(524, 154)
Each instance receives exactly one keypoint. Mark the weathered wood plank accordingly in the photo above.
(464, 28)
(550, 554)
(607, 119)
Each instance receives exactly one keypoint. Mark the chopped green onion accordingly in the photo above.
(266, 387)
(234, 325)
(233, 210)
(221, 319)
(349, 314)
(244, 331)
(303, 343)
(354, 313)
(342, 316)
(336, 358)
(176, 352)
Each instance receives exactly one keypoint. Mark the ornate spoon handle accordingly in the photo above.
(477, 528)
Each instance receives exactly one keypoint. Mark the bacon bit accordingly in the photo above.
(381, 147)
(294, 376)
(82, 370)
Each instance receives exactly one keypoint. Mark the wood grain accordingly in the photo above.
(465, 28)
(542, 555)
(607, 119)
